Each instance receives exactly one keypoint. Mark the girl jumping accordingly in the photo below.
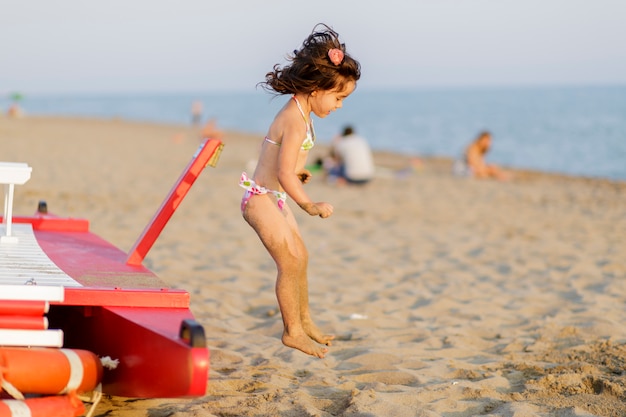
(319, 77)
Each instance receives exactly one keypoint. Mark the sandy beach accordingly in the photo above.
(449, 296)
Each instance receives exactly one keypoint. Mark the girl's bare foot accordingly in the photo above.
(304, 343)
(316, 334)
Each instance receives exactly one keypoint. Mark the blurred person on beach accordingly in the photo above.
(196, 112)
(210, 130)
(473, 163)
(351, 159)
(319, 77)
(15, 111)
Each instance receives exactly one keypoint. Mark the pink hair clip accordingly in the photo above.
(335, 55)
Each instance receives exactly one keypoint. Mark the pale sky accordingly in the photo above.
(82, 46)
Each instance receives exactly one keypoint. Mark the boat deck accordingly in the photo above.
(91, 270)
(24, 262)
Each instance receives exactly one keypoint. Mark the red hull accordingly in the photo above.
(127, 313)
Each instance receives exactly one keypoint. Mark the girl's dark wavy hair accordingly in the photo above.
(311, 68)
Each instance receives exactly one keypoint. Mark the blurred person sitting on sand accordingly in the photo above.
(473, 163)
(351, 159)
(318, 78)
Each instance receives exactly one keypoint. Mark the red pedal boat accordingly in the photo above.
(111, 304)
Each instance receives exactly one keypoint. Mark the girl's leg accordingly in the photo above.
(284, 244)
(305, 314)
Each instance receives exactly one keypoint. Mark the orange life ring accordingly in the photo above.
(57, 406)
(50, 370)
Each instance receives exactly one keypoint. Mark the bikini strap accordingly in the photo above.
(309, 142)
(306, 122)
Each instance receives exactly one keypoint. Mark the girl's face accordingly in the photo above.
(324, 102)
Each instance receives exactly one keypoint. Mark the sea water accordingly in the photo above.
(570, 130)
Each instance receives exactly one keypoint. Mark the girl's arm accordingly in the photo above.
(288, 177)
(287, 161)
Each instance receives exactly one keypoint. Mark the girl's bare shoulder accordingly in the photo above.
(288, 123)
